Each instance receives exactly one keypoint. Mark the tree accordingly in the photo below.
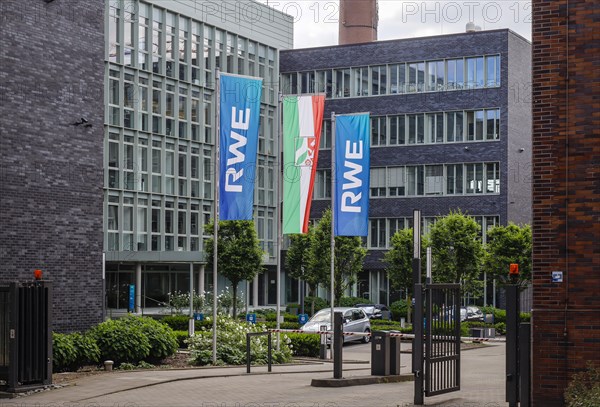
(349, 255)
(399, 261)
(239, 253)
(299, 264)
(506, 245)
(457, 251)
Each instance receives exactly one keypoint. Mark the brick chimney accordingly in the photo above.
(358, 21)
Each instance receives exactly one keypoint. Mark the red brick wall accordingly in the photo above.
(566, 193)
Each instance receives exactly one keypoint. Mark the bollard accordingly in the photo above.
(108, 365)
(337, 343)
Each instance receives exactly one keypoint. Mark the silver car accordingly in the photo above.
(355, 320)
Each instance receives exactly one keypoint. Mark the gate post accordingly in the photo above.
(417, 351)
(525, 363)
(512, 344)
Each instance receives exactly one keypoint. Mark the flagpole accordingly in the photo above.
(332, 272)
(278, 211)
(216, 212)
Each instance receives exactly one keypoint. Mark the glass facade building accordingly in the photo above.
(159, 137)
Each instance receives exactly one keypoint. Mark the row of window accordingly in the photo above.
(423, 180)
(170, 168)
(164, 107)
(381, 230)
(153, 223)
(159, 41)
(429, 128)
(390, 79)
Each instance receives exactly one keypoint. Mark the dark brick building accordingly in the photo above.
(51, 76)
(566, 194)
(451, 124)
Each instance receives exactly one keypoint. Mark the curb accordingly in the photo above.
(362, 380)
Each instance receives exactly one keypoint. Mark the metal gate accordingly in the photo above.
(442, 338)
(25, 336)
(436, 348)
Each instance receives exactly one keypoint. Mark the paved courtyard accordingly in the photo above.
(482, 384)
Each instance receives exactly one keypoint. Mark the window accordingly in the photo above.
(416, 129)
(475, 72)
(378, 131)
(414, 180)
(379, 80)
(455, 70)
(492, 63)
(397, 78)
(493, 124)
(377, 233)
(396, 224)
(435, 76)
(377, 182)
(322, 188)
(360, 82)
(454, 126)
(396, 181)
(454, 179)
(474, 178)
(434, 127)
(492, 178)
(434, 180)
(325, 135)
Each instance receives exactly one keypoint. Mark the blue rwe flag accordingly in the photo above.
(239, 121)
(352, 175)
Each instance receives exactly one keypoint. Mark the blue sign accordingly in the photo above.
(239, 121)
(557, 276)
(131, 297)
(198, 316)
(352, 138)
(251, 318)
(302, 319)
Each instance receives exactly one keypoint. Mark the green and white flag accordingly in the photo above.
(302, 122)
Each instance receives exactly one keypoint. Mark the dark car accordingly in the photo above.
(376, 311)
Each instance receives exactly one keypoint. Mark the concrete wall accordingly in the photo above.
(51, 75)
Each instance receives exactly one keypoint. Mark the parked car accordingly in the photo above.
(355, 320)
(376, 311)
(468, 313)
(471, 313)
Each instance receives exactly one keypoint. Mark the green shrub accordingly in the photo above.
(121, 341)
(525, 317)
(352, 301)
(182, 337)
(584, 388)
(145, 365)
(287, 317)
(305, 344)
(127, 366)
(72, 351)
(87, 349)
(64, 353)
(231, 344)
(282, 325)
(376, 323)
(163, 342)
(177, 322)
(399, 310)
(500, 328)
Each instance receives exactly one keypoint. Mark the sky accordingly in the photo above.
(316, 21)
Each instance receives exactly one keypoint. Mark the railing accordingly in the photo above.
(269, 349)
